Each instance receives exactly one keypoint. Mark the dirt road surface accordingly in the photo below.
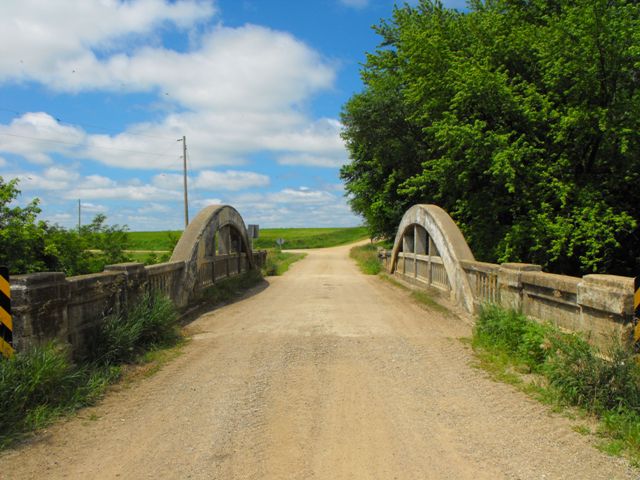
(325, 374)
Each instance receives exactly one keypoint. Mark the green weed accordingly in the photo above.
(366, 256)
(571, 372)
(308, 237)
(151, 323)
(41, 384)
(279, 262)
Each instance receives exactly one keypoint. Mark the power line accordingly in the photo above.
(76, 144)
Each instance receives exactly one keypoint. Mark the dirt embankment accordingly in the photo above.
(326, 374)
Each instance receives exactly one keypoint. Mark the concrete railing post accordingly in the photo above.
(510, 282)
(39, 307)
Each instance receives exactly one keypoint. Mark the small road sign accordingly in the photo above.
(6, 323)
(280, 242)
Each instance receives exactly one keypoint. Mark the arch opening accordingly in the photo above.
(428, 250)
(213, 246)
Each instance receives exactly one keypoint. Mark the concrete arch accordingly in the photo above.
(216, 229)
(449, 242)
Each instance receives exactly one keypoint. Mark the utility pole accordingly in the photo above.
(184, 163)
(79, 216)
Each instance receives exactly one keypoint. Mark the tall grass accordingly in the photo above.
(366, 256)
(40, 384)
(278, 262)
(151, 323)
(606, 384)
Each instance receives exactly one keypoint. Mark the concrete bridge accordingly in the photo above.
(431, 252)
(326, 373)
(49, 306)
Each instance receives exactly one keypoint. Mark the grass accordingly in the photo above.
(366, 256)
(279, 262)
(42, 383)
(295, 238)
(164, 240)
(564, 370)
(231, 288)
(162, 243)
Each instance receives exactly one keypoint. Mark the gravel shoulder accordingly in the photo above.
(325, 374)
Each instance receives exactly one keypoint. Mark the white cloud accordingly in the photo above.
(36, 135)
(355, 3)
(55, 37)
(3, 162)
(229, 180)
(140, 193)
(308, 160)
(301, 196)
(205, 202)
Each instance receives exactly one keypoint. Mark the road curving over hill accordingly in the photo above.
(325, 374)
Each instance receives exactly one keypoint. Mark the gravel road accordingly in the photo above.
(324, 374)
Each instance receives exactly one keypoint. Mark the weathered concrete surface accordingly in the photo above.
(599, 306)
(325, 374)
(449, 242)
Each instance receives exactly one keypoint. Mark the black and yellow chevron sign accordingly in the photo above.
(6, 323)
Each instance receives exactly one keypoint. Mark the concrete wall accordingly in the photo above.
(48, 306)
(601, 306)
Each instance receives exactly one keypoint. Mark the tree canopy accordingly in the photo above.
(521, 118)
(30, 245)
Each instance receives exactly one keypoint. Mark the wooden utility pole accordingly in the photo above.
(184, 163)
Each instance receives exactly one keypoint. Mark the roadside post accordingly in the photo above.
(280, 242)
(6, 323)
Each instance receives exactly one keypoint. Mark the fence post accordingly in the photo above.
(6, 322)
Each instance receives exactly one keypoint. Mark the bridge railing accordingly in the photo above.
(425, 269)
(483, 278)
(50, 306)
(597, 305)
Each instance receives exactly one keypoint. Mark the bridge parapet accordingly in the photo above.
(50, 306)
(597, 305)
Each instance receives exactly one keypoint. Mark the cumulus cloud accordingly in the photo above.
(239, 93)
(229, 180)
(52, 45)
(307, 160)
(234, 92)
(36, 135)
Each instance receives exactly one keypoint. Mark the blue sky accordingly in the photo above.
(95, 93)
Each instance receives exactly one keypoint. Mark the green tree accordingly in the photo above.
(521, 119)
(30, 245)
(21, 235)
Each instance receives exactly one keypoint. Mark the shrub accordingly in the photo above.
(583, 377)
(41, 383)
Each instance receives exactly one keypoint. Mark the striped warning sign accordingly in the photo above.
(636, 309)
(6, 323)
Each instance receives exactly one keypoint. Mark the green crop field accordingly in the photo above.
(309, 237)
(293, 238)
(152, 240)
